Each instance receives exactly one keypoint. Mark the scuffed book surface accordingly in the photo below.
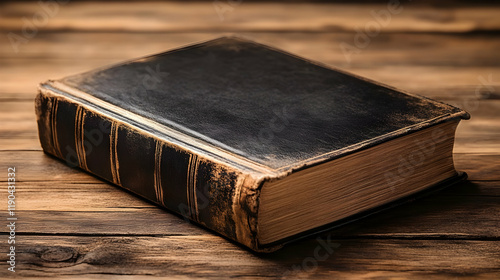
(259, 103)
(200, 129)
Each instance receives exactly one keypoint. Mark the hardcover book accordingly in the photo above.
(254, 143)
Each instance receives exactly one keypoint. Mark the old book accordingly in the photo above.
(249, 141)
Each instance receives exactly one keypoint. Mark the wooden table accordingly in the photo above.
(73, 225)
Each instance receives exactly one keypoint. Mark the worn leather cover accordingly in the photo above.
(199, 129)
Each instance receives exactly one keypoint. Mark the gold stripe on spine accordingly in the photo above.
(188, 185)
(77, 134)
(191, 186)
(80, 138)
(157, 172)
(195, 177)
(53, 122)
(113, 157)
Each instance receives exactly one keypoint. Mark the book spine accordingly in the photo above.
(216, 195)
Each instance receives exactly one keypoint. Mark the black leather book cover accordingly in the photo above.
(199, 129)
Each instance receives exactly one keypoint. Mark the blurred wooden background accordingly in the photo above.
(73, 225)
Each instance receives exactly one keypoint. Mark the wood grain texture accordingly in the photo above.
(248, 16)
(72, 225)
(456, 213)
(181, 257)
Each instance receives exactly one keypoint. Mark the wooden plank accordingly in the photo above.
(479, 134)
(248, 16)
(79, 197)
(18, 121)
(67, 257)
(20, 81)
(121, 222)
(478, 166)
(384, 49)
(36, 166)
(30, 143)
(464, 211)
